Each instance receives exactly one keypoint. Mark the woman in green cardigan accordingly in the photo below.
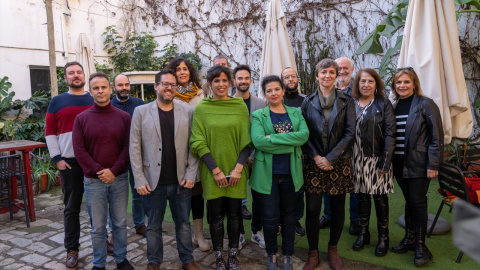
(221, 138)
(278, 132)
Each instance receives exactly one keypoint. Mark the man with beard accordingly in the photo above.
(294, 98)
(220, 60)
(164, 168)
(345, 75)
(127, 103)
(61, 114)
(242, 80)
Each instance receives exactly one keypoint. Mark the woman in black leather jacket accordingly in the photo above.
(417, 157)
(330, 117)
(372, 155)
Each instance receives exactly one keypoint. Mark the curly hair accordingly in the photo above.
(175, 62)
(216, 71)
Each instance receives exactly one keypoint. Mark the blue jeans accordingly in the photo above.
(179, 199)
(139, 207)
(104, 199)
(353, 207)
(282, 197)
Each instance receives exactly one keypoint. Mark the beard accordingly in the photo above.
(123, 96)
(293, 89)
(242, 87)
(72, 84)
(164, 100)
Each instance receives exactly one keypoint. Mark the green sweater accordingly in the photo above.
(278, 143)
(221, 127)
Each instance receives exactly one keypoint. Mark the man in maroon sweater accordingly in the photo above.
(100, 143)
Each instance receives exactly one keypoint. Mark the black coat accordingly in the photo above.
(341, 127)
(377, 131)
(423, 138)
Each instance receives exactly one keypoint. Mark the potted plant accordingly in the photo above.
(44, 171)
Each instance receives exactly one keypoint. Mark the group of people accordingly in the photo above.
(197, 143)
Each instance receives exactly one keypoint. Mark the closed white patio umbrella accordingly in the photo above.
(431, 46)
(85, 57)
(277, 50)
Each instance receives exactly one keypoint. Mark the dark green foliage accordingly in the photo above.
(137, 52)
(14, 127)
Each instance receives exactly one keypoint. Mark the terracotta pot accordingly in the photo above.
(59, 180)
(44, 181)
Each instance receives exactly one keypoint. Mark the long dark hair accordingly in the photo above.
(175, 62)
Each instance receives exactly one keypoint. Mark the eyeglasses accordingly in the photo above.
(290, 77)
(405, 68)
(166, 85)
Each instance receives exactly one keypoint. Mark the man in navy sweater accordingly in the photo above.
(61, 114)
(125, 102)
(100, 143)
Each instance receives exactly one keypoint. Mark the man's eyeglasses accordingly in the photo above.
(166, 85)
(290, 77)
(405, 68)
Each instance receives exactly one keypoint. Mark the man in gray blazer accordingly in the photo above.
(164, 168)
(242, 80)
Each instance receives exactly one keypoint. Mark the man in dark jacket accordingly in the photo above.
(125, 102)
(294, 98)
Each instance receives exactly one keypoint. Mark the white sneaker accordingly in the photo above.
(259, 239)
(241, 241)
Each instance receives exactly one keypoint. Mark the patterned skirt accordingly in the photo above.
(334, 182)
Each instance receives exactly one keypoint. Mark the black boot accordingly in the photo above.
(381, 207)
(422, 254)
(364, 206)
(408, 241)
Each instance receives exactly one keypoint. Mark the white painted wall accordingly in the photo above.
(24, 37)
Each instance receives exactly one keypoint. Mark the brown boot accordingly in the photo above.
(110, 246)
(333, 258)
(72, 259)
(312, 260)
(191, 266)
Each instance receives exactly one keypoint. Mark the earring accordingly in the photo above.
(376, 91)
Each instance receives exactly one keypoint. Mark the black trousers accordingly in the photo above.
(72, 188)
(217, 209)
(415, 193)
(198, 206)
(312, 225)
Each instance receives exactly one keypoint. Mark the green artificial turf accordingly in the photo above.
(441, 246)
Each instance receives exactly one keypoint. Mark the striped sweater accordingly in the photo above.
(61, 114)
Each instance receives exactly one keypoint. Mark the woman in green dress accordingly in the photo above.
(221, 138)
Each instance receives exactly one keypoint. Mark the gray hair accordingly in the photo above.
(346, 58)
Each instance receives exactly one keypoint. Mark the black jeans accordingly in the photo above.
(280, 204)
(217, 209)
(312, 226)
(256, 215)
(72, 188)
(415, 193)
